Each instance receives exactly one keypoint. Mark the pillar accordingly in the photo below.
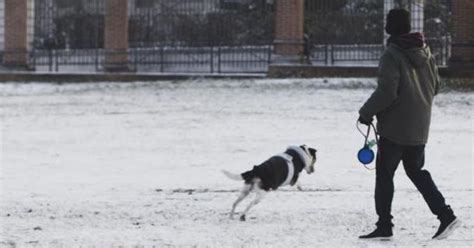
(116, 35)
(462, 48)
(289, 24)
(16, 33)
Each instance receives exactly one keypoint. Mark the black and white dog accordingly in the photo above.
(280, 170)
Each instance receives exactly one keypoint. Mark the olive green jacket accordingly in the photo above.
(407, 83)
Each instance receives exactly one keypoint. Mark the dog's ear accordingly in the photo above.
(312, 151)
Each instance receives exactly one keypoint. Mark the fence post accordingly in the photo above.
(219, 68)
(269, 56)
(387, 6)
(463, 36)
(289, 23)
(116, 36)
(326, 53)
(50, 59)
(417, 10)
(16, 34)
(212, 59)
(56, 60)
(96, 62)
(162, 59)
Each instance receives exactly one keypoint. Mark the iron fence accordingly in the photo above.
(213, 36)
(250, 59)
(68, 35)
(196, 23)
(352, 31)
(223, 36)
(201, 36)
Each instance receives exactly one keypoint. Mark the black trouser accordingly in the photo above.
(388, 157)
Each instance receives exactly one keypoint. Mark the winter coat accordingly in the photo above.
(407, 83)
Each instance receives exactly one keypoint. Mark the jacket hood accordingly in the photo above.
(419, 57)
(413, 46)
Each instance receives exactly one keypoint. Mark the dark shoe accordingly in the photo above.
(449, 223)
(384, 234)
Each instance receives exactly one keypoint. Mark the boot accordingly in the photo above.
(448, 224)
(382, 232)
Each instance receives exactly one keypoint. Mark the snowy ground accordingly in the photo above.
(139, 165)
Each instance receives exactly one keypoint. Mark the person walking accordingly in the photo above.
(407, 83)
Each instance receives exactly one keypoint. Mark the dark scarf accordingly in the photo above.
(408, 41)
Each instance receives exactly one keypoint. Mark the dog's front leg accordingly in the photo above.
(258, 198)
(298, 186)
(245, 192)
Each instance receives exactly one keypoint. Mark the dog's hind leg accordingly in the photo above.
(245, 192)
(258, 198)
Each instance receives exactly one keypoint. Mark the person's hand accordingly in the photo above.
(365, 121)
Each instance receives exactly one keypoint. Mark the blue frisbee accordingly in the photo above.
(365, 155)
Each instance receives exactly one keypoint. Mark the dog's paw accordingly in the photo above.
(242, 217)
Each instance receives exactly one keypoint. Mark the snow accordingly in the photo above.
(139, 164)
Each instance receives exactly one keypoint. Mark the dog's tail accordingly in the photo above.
(233, 176)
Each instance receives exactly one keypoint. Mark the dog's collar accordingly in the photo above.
(304, 155)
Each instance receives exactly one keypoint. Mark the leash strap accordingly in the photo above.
(367, 136)
(376, 133)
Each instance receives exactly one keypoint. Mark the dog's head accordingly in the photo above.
(311, 152)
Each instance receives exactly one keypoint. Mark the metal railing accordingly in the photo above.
(201, 36)
(249, 59)
(343, 32)
(222, 36)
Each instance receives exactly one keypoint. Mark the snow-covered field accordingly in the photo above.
(139, 164)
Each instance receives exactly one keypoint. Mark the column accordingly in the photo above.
(289, 23)
(462, 48)
(116, 36)
(16, 33)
